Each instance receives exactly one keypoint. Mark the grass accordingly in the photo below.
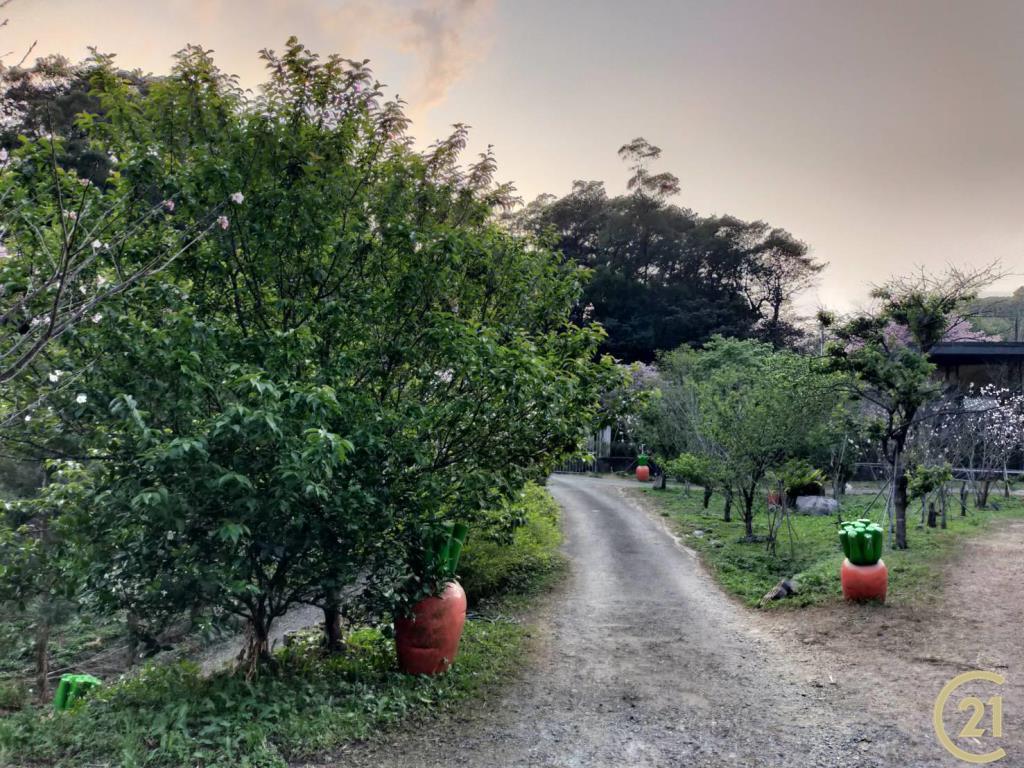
(748, 570)
(307, 703)
(78, 638)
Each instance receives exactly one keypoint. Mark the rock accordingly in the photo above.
(816, 505)
(698, 533)
(785, 588)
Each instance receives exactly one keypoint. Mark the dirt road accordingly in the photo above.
(644, 662)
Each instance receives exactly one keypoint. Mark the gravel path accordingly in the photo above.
(643, 661)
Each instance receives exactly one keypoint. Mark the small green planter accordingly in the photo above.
(862, 541)
(71, 688)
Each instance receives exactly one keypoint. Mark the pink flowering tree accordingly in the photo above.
(886, 351)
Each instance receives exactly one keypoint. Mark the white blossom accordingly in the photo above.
(81, 398)
(237, 198)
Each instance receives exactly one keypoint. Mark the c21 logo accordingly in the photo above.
(975, 727)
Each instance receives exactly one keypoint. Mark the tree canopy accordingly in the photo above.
(354, 355)
(665, 276)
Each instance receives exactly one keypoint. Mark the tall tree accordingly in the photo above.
(664, 276)
(356, 355)
(887, 352)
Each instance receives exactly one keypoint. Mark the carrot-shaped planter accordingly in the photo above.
(427, 639)
(863, 575)
(643, 472)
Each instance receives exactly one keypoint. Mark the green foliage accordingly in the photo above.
(520, 563)
(690, 468)
(357, 355)
(926, 479)
(665, 276)
(800, 478)
(306, 702)
(750, 572)
(886, 352)
(12, 695)
(751, 409)
(171, 716)
(861, 541)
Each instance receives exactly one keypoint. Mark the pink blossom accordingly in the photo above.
(168, 206)
(222, 222)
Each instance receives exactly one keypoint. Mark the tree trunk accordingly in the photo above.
(132, 652)
(932, 521)
(663, 484)
(963, 499)
(727, 516)
(942, 500)
(256, 649)
(748, 515)
(42, 652)
(707, 497)
(982, 495)
(332, 626)
(899, 499)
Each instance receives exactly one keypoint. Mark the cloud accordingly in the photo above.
(443, 37)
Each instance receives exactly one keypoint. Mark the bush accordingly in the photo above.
(519, 563)
(305, 702)
(12, 695)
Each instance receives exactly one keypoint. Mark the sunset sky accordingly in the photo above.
(887, 134)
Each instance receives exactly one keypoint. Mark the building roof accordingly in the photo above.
(977, 352)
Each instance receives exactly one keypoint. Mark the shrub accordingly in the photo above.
(519, 562)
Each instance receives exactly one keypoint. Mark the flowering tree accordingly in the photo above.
(980, 433)
(886, 351)
(354, 354)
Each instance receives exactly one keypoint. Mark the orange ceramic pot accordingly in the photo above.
(643, 473)
(864, 582)
(428, 640)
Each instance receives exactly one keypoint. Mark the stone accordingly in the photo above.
(816, 505)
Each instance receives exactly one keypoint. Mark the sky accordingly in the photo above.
(887, 135)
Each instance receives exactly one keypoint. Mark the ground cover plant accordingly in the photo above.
(306, 701)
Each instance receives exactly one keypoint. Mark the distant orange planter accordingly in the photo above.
(428, 640)
(643, 473)
(864, 582)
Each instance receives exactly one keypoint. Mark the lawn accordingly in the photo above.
(308, 702)
(748, 570)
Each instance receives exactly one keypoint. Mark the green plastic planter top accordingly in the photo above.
(641, 460)
(862, 541)
(71, 688)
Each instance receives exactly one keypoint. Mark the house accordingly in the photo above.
(963, 363)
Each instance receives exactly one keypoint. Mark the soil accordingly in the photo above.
(898, 657)
(641, 660)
